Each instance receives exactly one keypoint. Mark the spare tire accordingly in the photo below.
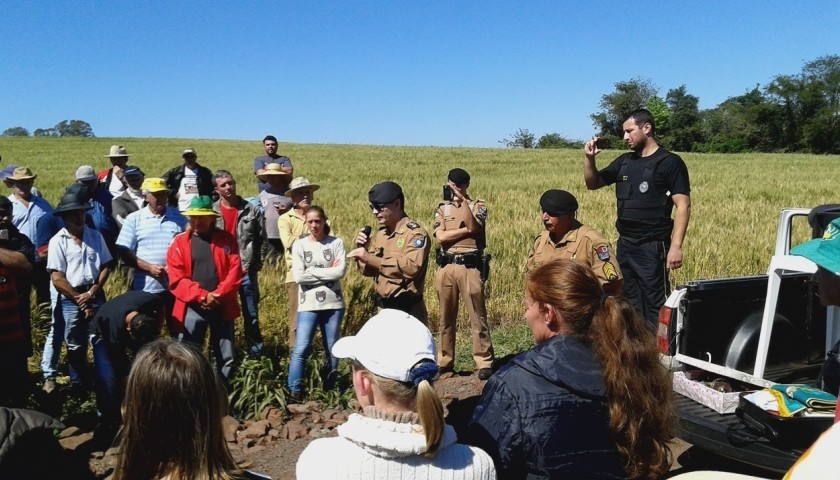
(786, 343)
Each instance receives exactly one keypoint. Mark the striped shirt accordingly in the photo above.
(148, 236)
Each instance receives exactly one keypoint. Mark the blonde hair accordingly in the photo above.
(638, 386)
(173, 410)
(422, 399)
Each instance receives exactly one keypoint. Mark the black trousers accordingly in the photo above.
(646, 283)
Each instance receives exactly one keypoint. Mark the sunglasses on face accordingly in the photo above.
(378, 207)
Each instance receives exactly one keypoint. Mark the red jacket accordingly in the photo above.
(228, 269)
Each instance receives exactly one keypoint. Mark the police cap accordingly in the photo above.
(385, 192)
(459, 176)
(558, 202)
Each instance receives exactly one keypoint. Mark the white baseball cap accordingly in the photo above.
(389, 345)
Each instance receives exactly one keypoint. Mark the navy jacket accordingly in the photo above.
(544, 415)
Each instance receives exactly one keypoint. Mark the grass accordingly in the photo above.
(736, 200)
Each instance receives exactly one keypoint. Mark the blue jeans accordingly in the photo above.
(196, 322)
(67, 327)
(329, 321)
(111, 368)
(249, 298)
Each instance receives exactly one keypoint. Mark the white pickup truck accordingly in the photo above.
(758, 330)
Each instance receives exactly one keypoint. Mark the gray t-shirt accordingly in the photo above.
(270, 200)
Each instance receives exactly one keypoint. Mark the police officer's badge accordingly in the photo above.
(643, 187)
(307, 257)
(320, 295)
(603, 252)
(400, 242)
(328, 256)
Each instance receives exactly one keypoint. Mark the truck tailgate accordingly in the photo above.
(726, 435)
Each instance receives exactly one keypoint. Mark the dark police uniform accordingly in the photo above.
(460, 275)
(644, 187)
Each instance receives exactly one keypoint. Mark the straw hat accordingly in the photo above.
(301, 183)
(273, 170)
(22, 173)
(117, 151)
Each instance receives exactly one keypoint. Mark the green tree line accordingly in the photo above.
(792, 113)
(64, 128)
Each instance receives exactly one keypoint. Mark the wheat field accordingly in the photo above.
(735, 202)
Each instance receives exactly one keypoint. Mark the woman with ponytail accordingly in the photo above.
(590, 400)
(400, 432)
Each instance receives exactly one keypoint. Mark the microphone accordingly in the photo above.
(366, 231)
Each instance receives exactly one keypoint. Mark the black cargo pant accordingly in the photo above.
(643, 265)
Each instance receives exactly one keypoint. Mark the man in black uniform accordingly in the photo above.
(123, 324)
(650, 182)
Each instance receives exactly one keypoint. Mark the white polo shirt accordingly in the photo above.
(81, 264)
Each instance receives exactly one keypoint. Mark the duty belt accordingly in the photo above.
(469, 260)
(402, 302)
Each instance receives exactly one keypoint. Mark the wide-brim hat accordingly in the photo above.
(301, 183)
(824, 251)
(153, 185)
(273, 170)
(71, 202)
(22, 173)
(201, 205)
(390, 344)
(117, 151)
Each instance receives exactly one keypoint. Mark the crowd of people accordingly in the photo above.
(590, 400)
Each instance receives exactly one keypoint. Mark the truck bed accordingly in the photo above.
(726, 435)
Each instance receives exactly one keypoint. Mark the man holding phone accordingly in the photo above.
(459, 229)
(650, 183)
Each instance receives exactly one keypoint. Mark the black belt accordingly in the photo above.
(469, 260)
(402, 302)
(83, 288)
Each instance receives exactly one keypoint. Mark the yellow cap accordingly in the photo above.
(153, 185)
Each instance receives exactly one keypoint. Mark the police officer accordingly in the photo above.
(650, 182)
(398, 255)
(459, 228)
(566, 238)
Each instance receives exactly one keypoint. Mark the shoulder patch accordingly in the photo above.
(602, 250)
(481, 211)
(412, 225)
(419, 241)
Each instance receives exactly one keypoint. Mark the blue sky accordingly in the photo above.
(448, 73)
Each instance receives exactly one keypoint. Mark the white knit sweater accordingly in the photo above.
(380, 445)
(318, 268)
